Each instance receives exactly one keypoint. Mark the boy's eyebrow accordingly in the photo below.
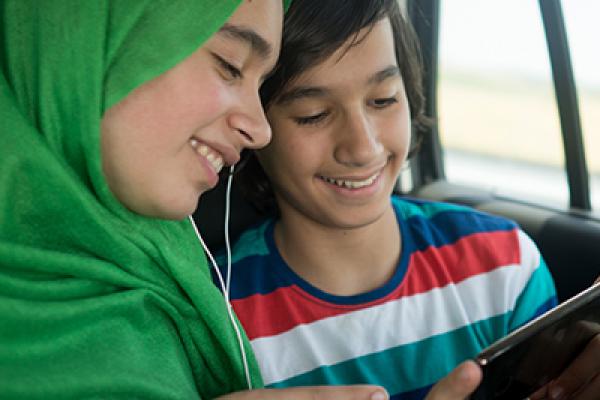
(378, 77)
(249, 37)
(301, 92)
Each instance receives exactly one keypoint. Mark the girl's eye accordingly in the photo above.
(384, 102)
(230, 70)
(312, 119)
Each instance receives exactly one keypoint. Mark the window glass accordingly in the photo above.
(583, 30)
(498, 119)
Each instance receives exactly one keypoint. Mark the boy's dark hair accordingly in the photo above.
(313, 31)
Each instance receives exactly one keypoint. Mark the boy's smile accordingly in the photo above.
(352, 183)
(355, 186)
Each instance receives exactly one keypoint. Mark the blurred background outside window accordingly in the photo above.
(581, 20)
(498, 119)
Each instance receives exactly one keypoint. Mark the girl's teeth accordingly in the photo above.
(215, 160)
(203, 150)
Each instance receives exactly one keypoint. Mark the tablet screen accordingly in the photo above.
(522, 362)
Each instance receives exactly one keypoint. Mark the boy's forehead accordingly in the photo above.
(361, 56)
(343, 87)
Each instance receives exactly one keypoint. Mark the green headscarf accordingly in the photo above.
(96, 301)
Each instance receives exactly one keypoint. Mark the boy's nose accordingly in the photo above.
(359, 143)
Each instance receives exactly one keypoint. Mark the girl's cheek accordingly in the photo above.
(211, 101)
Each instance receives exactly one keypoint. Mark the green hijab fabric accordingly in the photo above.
(96, 301)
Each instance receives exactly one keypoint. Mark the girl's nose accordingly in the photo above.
(250, 122)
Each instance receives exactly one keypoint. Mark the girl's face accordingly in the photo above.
(164, 144)
(341, 133)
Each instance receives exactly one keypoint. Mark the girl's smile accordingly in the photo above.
(204, 110)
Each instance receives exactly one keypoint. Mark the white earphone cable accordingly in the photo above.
(225, 287)
(227, 243)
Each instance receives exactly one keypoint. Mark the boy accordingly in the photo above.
(349, 284)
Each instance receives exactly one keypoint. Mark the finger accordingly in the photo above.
(590, 391)
(459, 384)
(580, 371)
(354, 392)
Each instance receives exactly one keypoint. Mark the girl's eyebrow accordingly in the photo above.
(249, 37)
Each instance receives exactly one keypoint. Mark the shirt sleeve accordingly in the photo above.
(539, 293)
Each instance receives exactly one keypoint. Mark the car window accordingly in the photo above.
(583, 30)
(498, 119)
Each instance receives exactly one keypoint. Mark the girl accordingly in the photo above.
(116, 116)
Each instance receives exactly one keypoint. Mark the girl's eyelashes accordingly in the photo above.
(311, 119)
(230, 70)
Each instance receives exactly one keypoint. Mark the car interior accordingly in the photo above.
(568, 236)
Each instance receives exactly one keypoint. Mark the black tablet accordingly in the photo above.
(519, 364)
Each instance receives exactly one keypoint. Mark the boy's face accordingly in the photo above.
(164, 144)
(341, 133)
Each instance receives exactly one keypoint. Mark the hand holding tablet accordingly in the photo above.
(563, 342)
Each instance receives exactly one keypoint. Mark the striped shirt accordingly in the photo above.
(464, 280)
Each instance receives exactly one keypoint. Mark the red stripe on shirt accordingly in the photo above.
(284, 308)
(472, 255)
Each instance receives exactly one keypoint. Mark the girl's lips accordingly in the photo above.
(213, 157)
(228, 152)
(211, 161)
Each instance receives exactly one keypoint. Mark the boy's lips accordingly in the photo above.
(352, 183)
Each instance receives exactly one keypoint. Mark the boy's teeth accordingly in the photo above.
(213, 158)
(351, 184)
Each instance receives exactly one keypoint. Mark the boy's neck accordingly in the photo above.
(342, 262)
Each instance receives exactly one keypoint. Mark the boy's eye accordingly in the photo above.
(384, 102)
(230, 70)
(311, 119)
